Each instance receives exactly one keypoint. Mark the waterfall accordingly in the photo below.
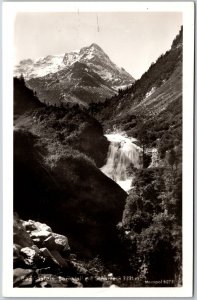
(122, 154)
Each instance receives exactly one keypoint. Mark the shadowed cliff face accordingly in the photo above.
(24, 98)
(74, 197)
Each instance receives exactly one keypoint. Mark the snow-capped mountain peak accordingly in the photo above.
(39, 67)
(88, 70)
(93, 56)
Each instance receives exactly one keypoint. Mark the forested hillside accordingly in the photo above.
(59, 174)
(151, 109)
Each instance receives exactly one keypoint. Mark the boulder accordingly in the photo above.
(22, 275)
(21, 237)
(53, 259)
(49, 243)
(61, 242)
(42, 235)
(49, 259)
(61, 261)
(31, 225)
(31, 255)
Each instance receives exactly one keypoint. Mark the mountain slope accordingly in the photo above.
(153, 104)
(81, 77)
(75, 85)
(58, 181)
(151, 111)
(101, 64)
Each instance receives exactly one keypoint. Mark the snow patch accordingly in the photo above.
(105, 68)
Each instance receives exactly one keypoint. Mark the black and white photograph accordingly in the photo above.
(98, 153)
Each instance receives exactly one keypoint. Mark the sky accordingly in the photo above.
(132, 40)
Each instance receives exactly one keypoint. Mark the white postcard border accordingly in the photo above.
(9, 11)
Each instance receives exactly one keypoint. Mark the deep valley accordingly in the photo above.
(98, 171)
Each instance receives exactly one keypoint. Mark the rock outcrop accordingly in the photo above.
(34, 258)
(50, 265)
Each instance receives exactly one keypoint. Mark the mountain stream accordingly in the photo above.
(123, 154)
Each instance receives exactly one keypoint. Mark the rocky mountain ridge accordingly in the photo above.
(83, 76)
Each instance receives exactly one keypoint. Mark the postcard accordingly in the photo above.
(98, 149)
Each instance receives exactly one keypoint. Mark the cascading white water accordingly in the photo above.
(122, 154)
